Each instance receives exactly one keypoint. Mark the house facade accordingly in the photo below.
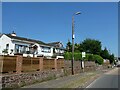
(11, 44)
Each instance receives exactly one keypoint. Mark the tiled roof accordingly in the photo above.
(26, 39)
(55, 44)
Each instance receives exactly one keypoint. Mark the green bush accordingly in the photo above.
(68, 55)
(77, 56)
(98, 59)
(89, 57)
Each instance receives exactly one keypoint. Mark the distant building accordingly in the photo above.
(58, 49)
(12, 44)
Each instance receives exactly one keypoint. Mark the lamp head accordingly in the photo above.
(77, 13)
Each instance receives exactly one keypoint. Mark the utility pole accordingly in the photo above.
(73, 36)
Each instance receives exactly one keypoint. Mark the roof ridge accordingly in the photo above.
(54, 42)
(28, 39)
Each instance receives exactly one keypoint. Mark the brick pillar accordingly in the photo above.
(19, 60)
(41, 63)
(1, 64)
(55, 63)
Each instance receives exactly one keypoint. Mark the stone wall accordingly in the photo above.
(18, 80)
(21, 79)
(89, 66)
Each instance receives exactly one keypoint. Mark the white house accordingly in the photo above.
(58, 49)
(11, 44)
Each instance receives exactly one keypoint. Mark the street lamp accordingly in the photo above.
(73, 36)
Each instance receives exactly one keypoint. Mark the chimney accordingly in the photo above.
(13, 34)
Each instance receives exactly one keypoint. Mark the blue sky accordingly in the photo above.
(51, 22)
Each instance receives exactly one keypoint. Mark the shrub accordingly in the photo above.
(98, 59)
(89, 57)
(68, 56)
(77, 56)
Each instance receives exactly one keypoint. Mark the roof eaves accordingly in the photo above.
(26, 39)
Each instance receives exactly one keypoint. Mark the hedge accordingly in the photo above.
(98, 59)
(89, 57)
(68, 56)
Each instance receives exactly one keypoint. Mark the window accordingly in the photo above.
(20, 48)
(16, 48)
(7, 46)
(46, 49)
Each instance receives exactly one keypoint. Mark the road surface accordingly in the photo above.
(107, 80)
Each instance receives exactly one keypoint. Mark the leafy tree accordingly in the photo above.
(104, 53)
(111, 58)
(77, 47)
(69, 46)
(91, 45)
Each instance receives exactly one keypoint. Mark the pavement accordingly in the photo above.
(107, 80)
(72, 81)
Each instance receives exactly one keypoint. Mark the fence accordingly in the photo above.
(30, 64)
(9, 64)
(20, 64)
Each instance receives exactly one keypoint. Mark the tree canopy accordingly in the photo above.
(91, 46)
(104, 53)
(69, 46)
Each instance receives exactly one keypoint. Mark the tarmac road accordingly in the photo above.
(110, 79)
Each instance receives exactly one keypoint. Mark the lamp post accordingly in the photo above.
(73, 36)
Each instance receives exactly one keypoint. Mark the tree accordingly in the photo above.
(104, 53)
(69, 46)
(91, 45)
(111, 58)
(77, 47)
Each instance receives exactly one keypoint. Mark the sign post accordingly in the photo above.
(82, 63)
(83, 54)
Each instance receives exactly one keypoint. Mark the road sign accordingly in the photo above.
(83, 54)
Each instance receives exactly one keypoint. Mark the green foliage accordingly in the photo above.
(111, 58)
(77, 47)
(68, 56)
(92, 46)
(69, 46)
(98, 59)
(104, 54)
(88, 45)
(89, 57)
(78, 56)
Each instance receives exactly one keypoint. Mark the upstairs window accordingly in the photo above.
(7, 46)
(46, 49)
